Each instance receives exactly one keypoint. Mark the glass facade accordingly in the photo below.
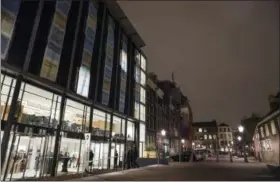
(47, 133)
(53, 50)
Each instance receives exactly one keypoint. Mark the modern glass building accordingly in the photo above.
(73, 80)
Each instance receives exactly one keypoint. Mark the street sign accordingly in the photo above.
(87, 143)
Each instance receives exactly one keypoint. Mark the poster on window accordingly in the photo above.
(50, 64)
(9, 12)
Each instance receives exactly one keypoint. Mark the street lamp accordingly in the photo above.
(241, 130)
(239, 138)
(163, 132)
(182, 149)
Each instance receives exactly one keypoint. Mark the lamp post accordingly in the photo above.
(241, 130)
(182, 141)
(162, 134)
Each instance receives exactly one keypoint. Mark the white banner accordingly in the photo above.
(87, 143)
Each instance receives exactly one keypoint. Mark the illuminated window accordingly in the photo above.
(7, 91)
(266, 130)
(205, 137)
(83, 81)
(273, 128)
(137, 111)
(143, 63)
(76, 117)
(130, 130)
(38, 107)
(143, 95)
(205, 130)
(137, 74)
(262, 132)
(210, 137)
(200, 130)
(143, 78)
(142, 112)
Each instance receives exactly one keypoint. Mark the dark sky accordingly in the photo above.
(225, 55)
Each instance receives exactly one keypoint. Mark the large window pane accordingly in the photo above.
(117, 126)
(7, 91)
(143, 95)
(130, 130)
(83, 81)
(100, 123)
(143, 63)
(143, 78)
(136, 110)
(38, 107)
(142, 112)
(76, 117)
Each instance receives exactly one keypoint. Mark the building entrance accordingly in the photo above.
(29, 156)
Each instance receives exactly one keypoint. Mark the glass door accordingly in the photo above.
(27, 157)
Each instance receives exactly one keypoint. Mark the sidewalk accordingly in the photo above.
(100, 177)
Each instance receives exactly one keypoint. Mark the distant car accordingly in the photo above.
(183, 157)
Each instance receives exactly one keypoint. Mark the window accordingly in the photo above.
(137, 110)
(83, 81)
(210, 137)
(143, 95)
(38, 107)
(266, 130)
(100, 123)
(205, 137)
(130, 130)
(221, 136)
(200, 130)
(76, 117)
(7, 91)
(262, 132)
(142, 132)
(143, 63)
(137, 57)
(142, 112)
(143, 78)
(205, 130)
(137, 74)
(9, 11)
(117, 127)
(273, 128)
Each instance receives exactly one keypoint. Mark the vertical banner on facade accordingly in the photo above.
(9, 12)
(108, 62)
(90, 31)
(87, 149)
(123, 73)
(53, 50)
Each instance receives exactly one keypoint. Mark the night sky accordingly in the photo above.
(225, 55)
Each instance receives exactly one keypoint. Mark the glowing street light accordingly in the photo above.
(239, 138)
(240, 129)
(163, 132)
(183, 141)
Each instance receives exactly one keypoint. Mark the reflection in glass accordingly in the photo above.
(76, 117)
(143, 63)
(38, 107)
(130, 130)
(142, 112)
(100, 123)
(117, 129)
(137, 110)
(83, 81)
(143, 95)
(7, 91)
